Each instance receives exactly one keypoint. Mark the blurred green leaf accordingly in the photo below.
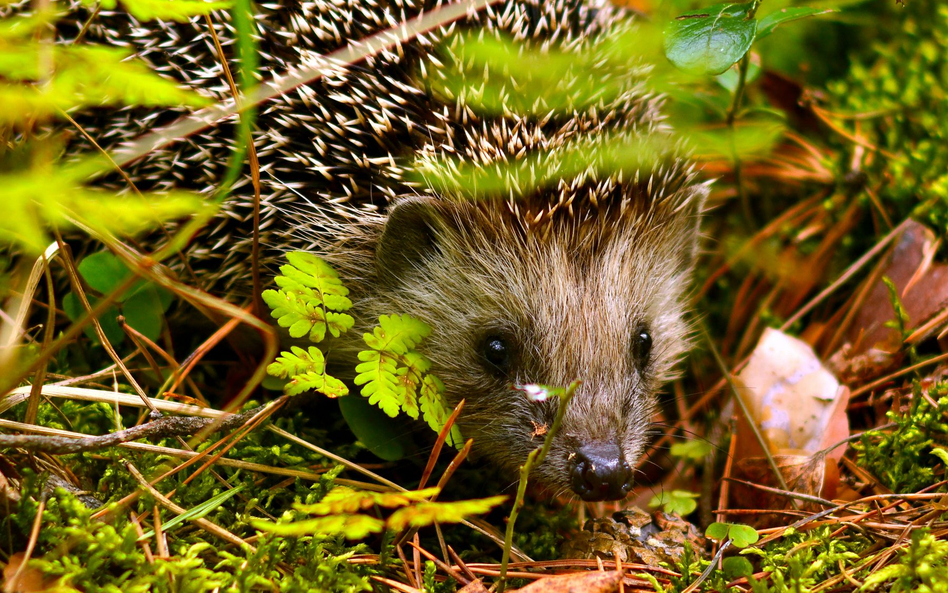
(166, 10)
(595, 157)
(676, 501)
(709, 41)
(785, 15)
(428, 513)
(41, 198)
(143, 312)
(103, 271)
(736, 567)
(108, 320)
(693, 449)
(351, 526)
(750, 139)
(730, 78)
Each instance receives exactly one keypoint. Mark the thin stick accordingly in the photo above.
(849, 273)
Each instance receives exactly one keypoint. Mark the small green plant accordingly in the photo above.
(712, 39)
(311, 301)
(741, 536)
(695, 449)
(40, 81)
(676, 501)
(904, 458)
(143, 306)
(922, 567)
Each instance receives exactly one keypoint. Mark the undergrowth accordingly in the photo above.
(909, 457)
(311, 530)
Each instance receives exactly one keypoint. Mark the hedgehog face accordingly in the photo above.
(597, 301)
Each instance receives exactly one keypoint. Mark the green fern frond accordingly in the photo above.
(377, 375)
(311, 299)
(397, 334)
(396, 377)
(307, 372)
(435, 410)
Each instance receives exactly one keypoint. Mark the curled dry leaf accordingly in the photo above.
(922, 286)
(800, 410)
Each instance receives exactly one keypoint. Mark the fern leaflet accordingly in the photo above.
(311, 299)
(396, 377)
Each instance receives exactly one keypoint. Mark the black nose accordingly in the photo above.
(598, 472)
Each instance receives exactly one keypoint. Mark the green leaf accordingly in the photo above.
(785, 15)
(397, 334)
(694, 449)
(40, 198)
(306, 370)
(381, 435)
(595, 156)
(743, 535)
(740, 535)
(717, 531)
(311, 299)
(676, 501)
(731, 77)
(108, 320)
(170, 10)
(736, 567)
(17, 28)
(377, 375)
(143, 312)
(749, 140)
(941, 454)
(435, 411)
(711, 40)
(351, 526)
(89, 75)
(396, 377)
(103, 271)
(428, 513)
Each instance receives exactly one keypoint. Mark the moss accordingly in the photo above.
(902, 459)
(904, 82)
(922, 567)
(78, 552)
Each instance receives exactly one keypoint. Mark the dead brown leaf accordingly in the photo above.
(589, 582)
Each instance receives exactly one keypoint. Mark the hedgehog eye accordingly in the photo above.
(641, 347)
(497, 352)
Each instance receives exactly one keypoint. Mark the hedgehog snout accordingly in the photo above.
(598, 471)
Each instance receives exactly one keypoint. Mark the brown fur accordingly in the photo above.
(570, 295)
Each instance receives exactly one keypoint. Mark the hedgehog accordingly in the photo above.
(582, 278)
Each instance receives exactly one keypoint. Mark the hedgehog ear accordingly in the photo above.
(409, 239)
(690, 205)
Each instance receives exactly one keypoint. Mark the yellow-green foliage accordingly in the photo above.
(904, 458)
(77, 553)
(311, 299)
(923, 567)
(41, 81)
(338, 513)
(901, 86)
(394, 376)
